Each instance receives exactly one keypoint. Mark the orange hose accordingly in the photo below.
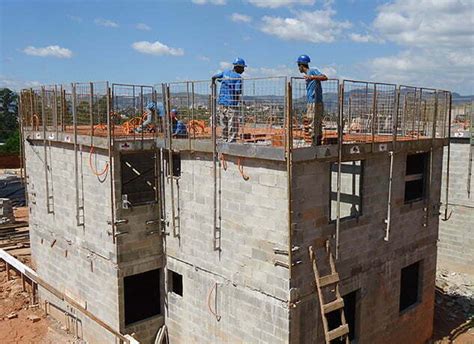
(93, 168)
(241, 170)
(218, 317)
(35, 121)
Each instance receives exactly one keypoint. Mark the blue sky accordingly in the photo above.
(422, 42)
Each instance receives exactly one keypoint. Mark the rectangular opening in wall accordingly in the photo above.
(175, 282)
(415, 177)
(142, 296)
(138, 178)
(176, 161)
(350, 311)
(351, 190)
(409, 286)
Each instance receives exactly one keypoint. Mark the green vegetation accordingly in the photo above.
(9, 133)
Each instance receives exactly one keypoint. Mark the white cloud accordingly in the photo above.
(279, 3)
(212, 2)
(225, 65)
(203, 58)
(142, 26)
(237, 17)
(156, 48)
(427, 22)
(315, 27)
(50, 50)
(437, 43)
(106, 22)
(279, 70)
(16, 84)
(367, 38)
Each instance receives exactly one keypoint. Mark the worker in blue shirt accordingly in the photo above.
(152, 109)
(178, 127)
(229, 99)
(314, 97)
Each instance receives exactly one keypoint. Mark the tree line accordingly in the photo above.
(9, 127)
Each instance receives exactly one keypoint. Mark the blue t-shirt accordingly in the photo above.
(179, 128)
(231, 87)
(314, 90)
(160, 109)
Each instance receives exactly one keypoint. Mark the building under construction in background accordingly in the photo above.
(265, 240)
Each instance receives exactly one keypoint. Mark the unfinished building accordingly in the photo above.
(456, 242)
(265, 240)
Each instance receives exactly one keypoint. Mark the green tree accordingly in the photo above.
(8, 113)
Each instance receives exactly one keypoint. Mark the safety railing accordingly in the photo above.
(251, 111)
(368, 111)
(135, 113)
(303, 111)
(245, 111)
(190, 104)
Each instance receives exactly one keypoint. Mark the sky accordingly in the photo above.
(427, 43)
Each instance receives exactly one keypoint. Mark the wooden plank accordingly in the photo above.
(346, 198)
(337, 332)
(19, 266)
(329, 279)
(312, 257)
(413, 177)
(334, 305)
(347, 168)
(13, 225)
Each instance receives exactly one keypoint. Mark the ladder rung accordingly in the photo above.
(338, 332)
(329, 279)
(334, 305)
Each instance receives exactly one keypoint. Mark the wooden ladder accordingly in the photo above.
(332, 279)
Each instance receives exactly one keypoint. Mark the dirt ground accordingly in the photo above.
(21, 323)
(454, 308)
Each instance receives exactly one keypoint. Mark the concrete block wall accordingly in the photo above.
(367, 263)
(80, 261)
(251, 291)
(139, 249)
(235, 294)
(456, 236)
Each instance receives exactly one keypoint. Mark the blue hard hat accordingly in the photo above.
(303, 59)
(151, 106)
(174, 111)
(239, 62)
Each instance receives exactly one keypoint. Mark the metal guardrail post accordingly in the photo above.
(435, 116)
(289, 169)
(448, 163)
(110, 151)
(395, 121)
(339, 167)
(374, 116)
(216, 229)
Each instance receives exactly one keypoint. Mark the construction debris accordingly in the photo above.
(6, 211)
(12, 315)
(459, 287)
(33, 318)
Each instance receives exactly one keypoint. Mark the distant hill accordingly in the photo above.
(459, 99)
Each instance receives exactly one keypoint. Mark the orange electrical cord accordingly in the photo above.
(132, 124)
(241, 170)
(93, 168)
(194, 125)
(35, 121)
(218, 317)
